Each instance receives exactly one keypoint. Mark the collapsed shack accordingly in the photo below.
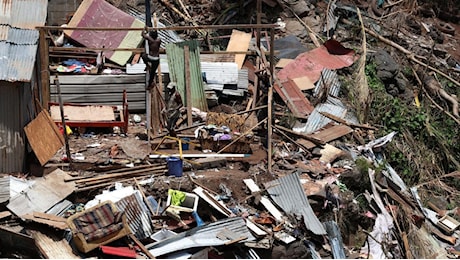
(223, 186)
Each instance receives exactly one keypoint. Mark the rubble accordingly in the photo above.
(276, 152)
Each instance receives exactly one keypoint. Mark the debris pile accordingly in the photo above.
(277, 151)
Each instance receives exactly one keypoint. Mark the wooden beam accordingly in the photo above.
(44, 69)
(167, 28)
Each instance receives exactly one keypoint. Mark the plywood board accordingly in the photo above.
(54, 247)
(304, 83)
(283, 62)
(83, 113)
(44, 137)
(239, 41)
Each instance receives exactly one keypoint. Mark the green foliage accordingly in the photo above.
(435, 131)
(363, 165)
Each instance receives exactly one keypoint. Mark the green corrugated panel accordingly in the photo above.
(176, 63)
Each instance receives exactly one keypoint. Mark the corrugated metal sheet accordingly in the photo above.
(137, 215)
(176, 66)
(12, 140)
(18, 37)
(60, 208)
(4, 189)
(316, 120)
(329, 80)
(202, 236)
(101, 89)
(290, 196)
(243, 79)
(17, 61)
(166, 36)
(25, 14)
(335, 239)
(220, 72)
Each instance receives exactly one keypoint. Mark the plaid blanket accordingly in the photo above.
(99, 223)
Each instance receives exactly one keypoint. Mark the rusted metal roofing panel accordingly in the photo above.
(294, 98)
(176, 66)
(311, 63)
(4, 189)
(24, 14)
(18, 37)
(290, 196)
(202, 236)
(136, 214)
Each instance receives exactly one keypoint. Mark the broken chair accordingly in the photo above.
(97, 226)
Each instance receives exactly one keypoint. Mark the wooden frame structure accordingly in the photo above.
(44, 57)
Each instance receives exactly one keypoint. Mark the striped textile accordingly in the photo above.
(98, 223)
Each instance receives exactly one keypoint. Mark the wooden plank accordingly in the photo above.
(304, 83)
(56, 224)
(5, 214)
(283, 62)
(53, 247)
(43, 137)
(50, 217)
(239, 41)
(332, 133)
(253, 187)
(44, 71)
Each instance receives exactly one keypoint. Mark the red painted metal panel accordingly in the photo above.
(311, 63)
(119, 251)
(294, 98)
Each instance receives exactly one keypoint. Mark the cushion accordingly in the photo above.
(99, 222)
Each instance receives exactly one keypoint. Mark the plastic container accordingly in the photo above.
(185, 145)
(174, 166)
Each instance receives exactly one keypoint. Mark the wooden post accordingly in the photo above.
(61, 107)
(44, 69)
(148, 94)
(188, 89)
(270, 100)
(259, 19)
